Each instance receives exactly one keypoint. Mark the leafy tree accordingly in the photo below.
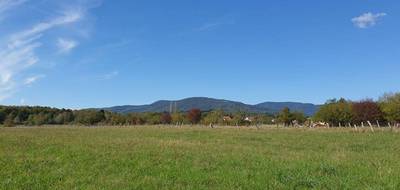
(134, 119)
(152, 118)
(264, 119)
(115, 119)
(89, 117)
(366, 110)
(178, 118)
(194, 116)
(39, 119)
(213, 117)
(166, 118)
(285, 116)
(299, 117)
(3, 115)
(9, 121)
(335, 112)
(65, 117)
(238, 118)
(390, 106)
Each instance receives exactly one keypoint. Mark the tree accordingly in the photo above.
(9, 121)
(194, 116)
(335, 112)
(166, 118)
(116, 119)
(65, 117)
(366, 110)
(299, 117)
(285, 116)
(39, 119)
(152, 118)
(89, 117)
(213, 117)
(264, 119)
(238, 118)
(178, 118)
(390, 106)
(3, 114)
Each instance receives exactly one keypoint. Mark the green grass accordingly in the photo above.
(197, 158)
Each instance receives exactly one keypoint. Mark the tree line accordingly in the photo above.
(336, 112)
(37, 116)
(341, 112)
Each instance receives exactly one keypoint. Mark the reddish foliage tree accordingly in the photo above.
(194, 116)
(166, 118)
(366, 110)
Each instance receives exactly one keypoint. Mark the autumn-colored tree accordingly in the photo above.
(366, 110)
(166, 118)
(194, 116)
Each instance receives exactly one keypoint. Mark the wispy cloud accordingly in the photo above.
(33, 79)
(18, 53)
(34, 32)
(367, 20)
(66, 45)
(208, 26)
(109, 76)
(6, 5)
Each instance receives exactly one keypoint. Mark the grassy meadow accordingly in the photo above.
(197, 158)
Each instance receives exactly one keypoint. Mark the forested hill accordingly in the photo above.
(206, 104)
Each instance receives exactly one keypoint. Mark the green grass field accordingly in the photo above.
(197, 158)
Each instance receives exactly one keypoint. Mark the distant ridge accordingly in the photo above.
(206, 104)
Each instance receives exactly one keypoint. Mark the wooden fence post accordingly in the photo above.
(377, 122)
(370, 125)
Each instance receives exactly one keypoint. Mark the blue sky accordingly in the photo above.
(93, 53)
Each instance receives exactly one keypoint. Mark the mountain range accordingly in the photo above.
(207, 104)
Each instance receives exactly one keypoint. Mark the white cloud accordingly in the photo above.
(65, 45)
(22, 101)
(33, 79)
(18, 52)
(367, 20)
